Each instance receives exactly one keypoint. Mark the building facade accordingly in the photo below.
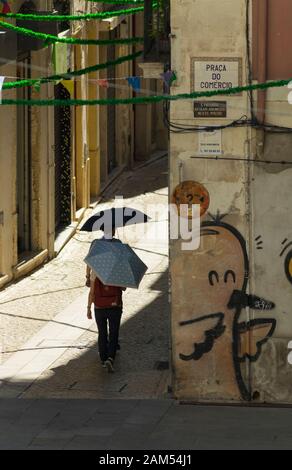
(231, 297)
(56, 161)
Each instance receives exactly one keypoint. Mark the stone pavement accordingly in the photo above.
(49, 348)
(140, 424)
(49, 356)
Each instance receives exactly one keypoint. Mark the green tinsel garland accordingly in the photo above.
(68, 76)
(149, 99)
(85, 16)
(50, 39)
(117, 2)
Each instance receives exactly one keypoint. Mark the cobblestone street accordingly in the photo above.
(49, 347)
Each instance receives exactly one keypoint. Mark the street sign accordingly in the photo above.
(210, 109)
(215, 73)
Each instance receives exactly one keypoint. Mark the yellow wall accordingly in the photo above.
(93, 114)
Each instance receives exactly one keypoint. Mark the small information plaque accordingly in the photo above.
(210, 109)
(210, 143)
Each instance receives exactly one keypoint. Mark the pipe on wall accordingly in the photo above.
(262, 42)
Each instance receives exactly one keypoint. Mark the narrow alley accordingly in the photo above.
(50, 348)
(145, 228)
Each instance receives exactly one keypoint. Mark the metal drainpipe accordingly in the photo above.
(262, 10)
(262, 55)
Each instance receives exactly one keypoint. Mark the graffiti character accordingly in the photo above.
(288, 258)
(221, 275)
(190, 193)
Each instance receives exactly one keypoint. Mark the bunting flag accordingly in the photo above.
(37, 86)
(60, 58)
(140, 99)
(135, 83)
(69, 85)
(103, 82)
(6, 7)
(168, 77)
(1, 84)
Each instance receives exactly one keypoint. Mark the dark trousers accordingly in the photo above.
(108, 323)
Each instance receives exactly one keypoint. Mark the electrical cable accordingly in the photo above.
(244, 121)
(241, 159)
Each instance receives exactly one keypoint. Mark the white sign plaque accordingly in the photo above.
(212, 74)
(210, 143)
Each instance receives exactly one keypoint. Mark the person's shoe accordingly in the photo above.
(103, 364)
(109, 364)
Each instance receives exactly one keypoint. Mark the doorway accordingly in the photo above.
(24, 173)
(62, 160)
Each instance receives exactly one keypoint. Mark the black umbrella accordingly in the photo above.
(113, 218)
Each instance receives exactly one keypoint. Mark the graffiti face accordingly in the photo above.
(285, 254)
(288, 266)
(224, 266)
(272, 270)
(288, 259)
(190, 193)
(221, 272)
(273, 242)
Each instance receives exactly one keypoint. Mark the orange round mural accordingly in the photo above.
(191, 192)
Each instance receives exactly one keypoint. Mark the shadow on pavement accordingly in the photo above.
(151, 180)
(141, 367)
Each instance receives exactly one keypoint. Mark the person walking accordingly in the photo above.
(108, 308)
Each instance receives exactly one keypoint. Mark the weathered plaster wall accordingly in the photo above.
(204, 280)
(271, 237)
(231, 298)
(8, 240)
(42, 155)
(124, 113)
(93, 114)
(42, 144)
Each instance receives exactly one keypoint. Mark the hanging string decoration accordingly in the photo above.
(1, 86)
(6, 7)
(168, 77)
(118, 2)
(148, 99)
(135, 83)
(76, 73)
(103, 83)
(50, 39)
(84, 16)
